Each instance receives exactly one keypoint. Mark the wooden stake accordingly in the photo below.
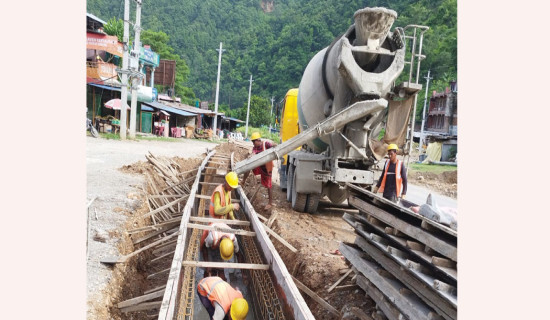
(315, 297)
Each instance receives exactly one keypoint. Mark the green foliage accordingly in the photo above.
(434, 168)
(275, 47)
(115, 27)
(264, 133)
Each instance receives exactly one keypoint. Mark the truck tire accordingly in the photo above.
(282, 177)
(289, 181)
(299, 200)
(313, 202)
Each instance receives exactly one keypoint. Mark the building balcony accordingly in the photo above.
(101, 73)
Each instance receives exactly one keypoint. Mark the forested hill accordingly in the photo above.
(274, 40)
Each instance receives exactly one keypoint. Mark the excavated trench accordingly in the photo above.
(151, 282)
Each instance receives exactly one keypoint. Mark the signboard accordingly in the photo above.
(149, 56)
(104, 42)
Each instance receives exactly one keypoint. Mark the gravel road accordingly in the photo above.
(109, 188)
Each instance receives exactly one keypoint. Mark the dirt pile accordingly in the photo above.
(444, 183)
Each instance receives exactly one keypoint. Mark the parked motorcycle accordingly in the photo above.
(89, 126)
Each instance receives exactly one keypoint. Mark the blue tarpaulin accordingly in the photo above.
(146, 108)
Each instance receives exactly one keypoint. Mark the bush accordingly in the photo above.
(264, 132)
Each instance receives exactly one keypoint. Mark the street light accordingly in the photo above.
(248, 108)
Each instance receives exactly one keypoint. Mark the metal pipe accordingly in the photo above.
(335, 122)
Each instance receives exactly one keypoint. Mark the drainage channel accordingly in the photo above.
(270, 290)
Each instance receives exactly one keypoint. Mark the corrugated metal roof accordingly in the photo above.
(190, 108)
(164, 107)
(91, 16)
(104, 87)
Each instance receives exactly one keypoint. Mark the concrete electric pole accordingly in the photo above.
(215, 122)
(271, 114)
(135, 66)
(124, 89)
(248, 108)
(421, 142)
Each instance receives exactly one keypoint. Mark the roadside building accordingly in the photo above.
(442, 122)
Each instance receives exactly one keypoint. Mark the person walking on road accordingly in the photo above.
(220, 201)
(393, 182)
(226, 242)
(264, 170)
(221, 300)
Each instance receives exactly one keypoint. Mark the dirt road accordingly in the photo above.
(113, 202)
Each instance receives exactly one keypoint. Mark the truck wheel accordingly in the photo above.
(289, 181)
(282, 177)
(313, 202)
(299, 200)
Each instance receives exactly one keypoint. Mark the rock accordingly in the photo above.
(100, 235)
(420, 178)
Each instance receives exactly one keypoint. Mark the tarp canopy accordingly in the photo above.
(146, 108)
(160, 106)
(104, 87)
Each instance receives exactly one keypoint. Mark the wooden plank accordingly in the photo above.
(137, 300)
(295, 304)
(153, 234)
(151, 276)
(346, 287)
(414, 310)
(155, 289)
(442, 262)
(281, 240)
(441, 246)
(225, 265)
(200, 196)
(143, 306)
(166, 206)
(162, 256)
(155, 227)
(315, 297)
(122, 259)
(214, 228)
(383, 303)
(423, 290)
(339, 281)
(226, 221)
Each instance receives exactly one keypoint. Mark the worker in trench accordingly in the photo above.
(393, 181)
(221, 300)
(219, 246)
(220, 201)
(264, 170)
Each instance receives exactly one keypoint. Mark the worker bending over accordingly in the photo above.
(221, 300)
(393, 182)
(264, 170)
(220, 201)
(226, 242)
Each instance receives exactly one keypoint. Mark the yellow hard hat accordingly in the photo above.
(393, 146)
(255, 135)
(232, 179)
(239, 309)
(226, 249)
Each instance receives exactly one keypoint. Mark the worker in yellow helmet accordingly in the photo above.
(264, 170)
(218, 246)
(393, 182)
(221, 300)
(220, 201)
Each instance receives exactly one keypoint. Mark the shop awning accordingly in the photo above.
(104, 87)
(160, 106)
(146, 108)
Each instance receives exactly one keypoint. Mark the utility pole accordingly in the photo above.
(124, 89)
(248, 108)
(271, 114)
(215, 122)
(424, 112)
(135, 66)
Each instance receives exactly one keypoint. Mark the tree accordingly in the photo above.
(115, 27)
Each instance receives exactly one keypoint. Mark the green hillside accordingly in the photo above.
(275, 44)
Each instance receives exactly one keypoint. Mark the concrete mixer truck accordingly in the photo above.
(347, 94)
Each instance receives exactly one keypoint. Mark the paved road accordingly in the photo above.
(418, 195)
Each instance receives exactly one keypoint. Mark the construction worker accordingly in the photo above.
(225, 241)
(221, 300)
(264, 170)
(393, 182)
(220, 201)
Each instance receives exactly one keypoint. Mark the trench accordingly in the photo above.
(157, 285)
